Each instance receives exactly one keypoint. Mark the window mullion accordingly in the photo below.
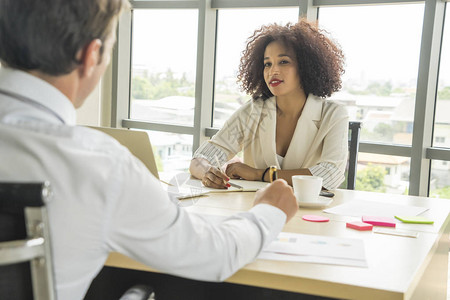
(308, 10)
(426, 96)
(205, 71)
(121, 69)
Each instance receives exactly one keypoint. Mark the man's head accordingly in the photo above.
(57, 37)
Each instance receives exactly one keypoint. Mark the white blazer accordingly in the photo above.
(319, 142)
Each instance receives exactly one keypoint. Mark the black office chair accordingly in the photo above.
(26, 270)
(139, 292)
(353, 147)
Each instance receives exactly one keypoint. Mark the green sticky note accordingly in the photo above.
(414, 219)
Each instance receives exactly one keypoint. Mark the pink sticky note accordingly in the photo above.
(314, 218)
(359, 225)
(379, 221)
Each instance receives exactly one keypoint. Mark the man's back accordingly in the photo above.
(84, 167)
(106, 200)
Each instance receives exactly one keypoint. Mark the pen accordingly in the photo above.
(236, 185)
(273, 173)
(232, 184)
(217, 162)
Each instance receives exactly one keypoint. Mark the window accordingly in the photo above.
(388, 171)
(231, 41)
(379, 84)
(163, 73)
(172, 151)
(439, 140)
(439, 179)
(382, 173)
(388, 66)
(163, 65)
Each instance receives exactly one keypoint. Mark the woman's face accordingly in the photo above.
(280, 70)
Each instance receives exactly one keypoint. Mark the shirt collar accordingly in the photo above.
(36, 89)
(313, 108)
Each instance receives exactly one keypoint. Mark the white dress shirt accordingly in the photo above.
(106, 200)
(319, 142)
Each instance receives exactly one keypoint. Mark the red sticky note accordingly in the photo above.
(314, 218)
(379, 221)
(359, 225)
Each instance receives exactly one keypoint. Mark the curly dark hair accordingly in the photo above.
(320, 60)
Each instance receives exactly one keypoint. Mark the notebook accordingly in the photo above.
(187, 186)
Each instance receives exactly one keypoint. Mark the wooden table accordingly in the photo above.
(398, 267)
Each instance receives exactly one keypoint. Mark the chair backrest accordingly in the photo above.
(353, 146)
(26, 267)
(138, 142)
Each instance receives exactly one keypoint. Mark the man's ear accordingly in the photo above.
(90, 57)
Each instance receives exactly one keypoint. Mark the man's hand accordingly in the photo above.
(278, 194)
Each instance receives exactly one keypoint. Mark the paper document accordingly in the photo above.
(187, 186)
(316, 249)
(247, 186)
(367, 208)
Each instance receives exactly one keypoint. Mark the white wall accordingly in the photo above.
(89, 112)
(96, 110)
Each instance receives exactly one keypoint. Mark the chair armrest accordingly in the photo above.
(138, 292)
(13, 252)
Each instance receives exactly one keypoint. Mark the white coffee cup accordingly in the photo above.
(306, 188)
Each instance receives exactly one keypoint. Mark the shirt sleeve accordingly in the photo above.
(210, 151)
(145, 225)
(333, 161)
(229, 140)
(331, 175)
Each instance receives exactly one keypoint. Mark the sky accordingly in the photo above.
(380, 42)
(165, 38)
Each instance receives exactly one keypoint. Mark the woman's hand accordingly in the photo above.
(240, 170)
(214, 178)
(210, 176)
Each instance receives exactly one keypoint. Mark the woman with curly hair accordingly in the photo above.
(288, 70)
